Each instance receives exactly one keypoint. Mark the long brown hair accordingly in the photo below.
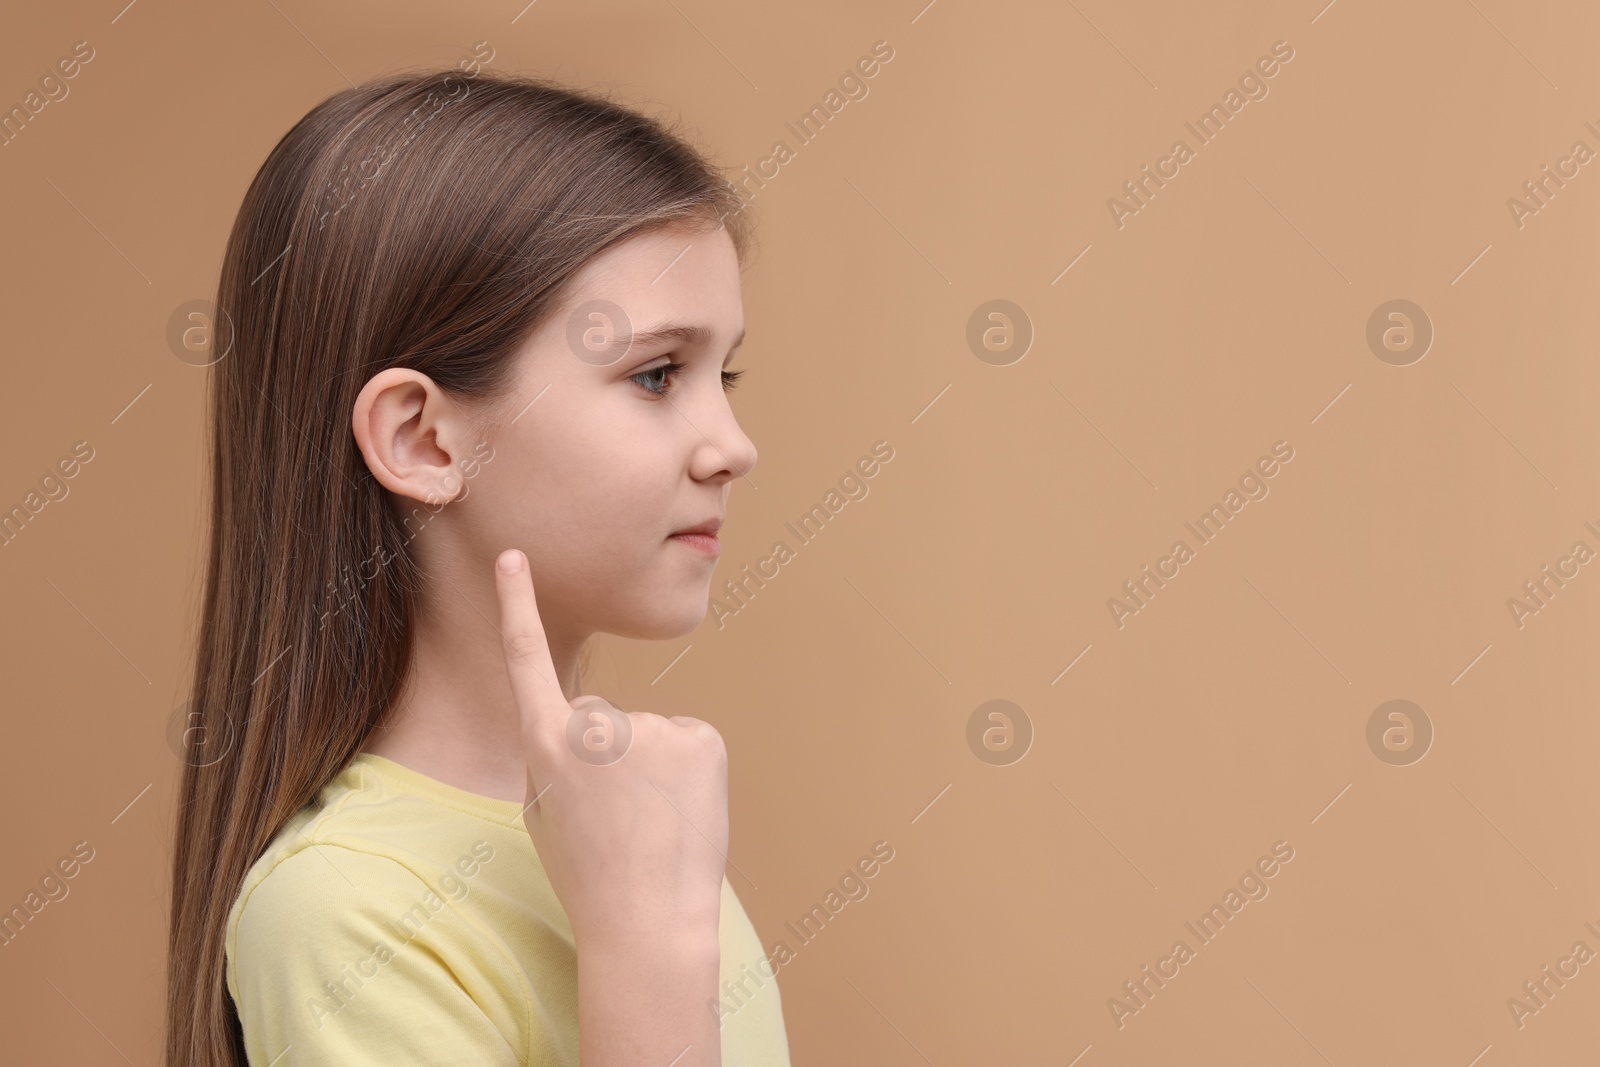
(428, 220)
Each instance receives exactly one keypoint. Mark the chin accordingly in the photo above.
(665, 619)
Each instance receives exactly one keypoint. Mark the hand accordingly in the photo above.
(635, 846)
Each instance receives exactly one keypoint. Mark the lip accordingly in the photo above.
(709, 528)
(706, 543)
(701, 537)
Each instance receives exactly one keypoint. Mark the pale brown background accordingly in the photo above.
(1226, 316)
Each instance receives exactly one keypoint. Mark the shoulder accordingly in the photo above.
(326, 863)
(349, 953)
(339, 885)
(305, 913)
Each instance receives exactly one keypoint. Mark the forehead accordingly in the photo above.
(676, 275)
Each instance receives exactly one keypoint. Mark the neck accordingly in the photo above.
(455, 718)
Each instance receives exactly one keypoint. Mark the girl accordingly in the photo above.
(405, 836)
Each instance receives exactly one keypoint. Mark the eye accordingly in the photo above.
(660, 380)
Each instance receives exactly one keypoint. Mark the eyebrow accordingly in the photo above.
(684, 333)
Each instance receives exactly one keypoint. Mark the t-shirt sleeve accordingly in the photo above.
(346, 957)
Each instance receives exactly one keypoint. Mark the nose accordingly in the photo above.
(724, 452)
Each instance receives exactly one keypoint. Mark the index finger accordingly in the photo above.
(527, 650)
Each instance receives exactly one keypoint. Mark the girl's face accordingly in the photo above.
(603, 451)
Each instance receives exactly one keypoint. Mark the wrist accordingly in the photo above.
(688, 943)
(643, 996)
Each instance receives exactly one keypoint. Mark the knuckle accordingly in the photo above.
(521, 646)
(546, 746)
(710, 737)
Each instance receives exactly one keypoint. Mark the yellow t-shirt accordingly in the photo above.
(401, 920)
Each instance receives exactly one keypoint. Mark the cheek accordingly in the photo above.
(589, 480)
(614, 490)
(599, 498)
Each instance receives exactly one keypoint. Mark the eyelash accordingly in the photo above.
(672, 370)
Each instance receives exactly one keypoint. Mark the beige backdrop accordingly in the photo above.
(1149, 356)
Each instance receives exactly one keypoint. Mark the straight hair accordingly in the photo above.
(430, 220)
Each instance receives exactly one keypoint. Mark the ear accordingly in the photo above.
(411, 435)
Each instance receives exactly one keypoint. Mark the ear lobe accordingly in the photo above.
(451, 482)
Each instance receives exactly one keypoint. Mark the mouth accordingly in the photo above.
(706, 543)
(701, 537)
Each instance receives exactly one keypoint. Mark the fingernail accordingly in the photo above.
(510, 561)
